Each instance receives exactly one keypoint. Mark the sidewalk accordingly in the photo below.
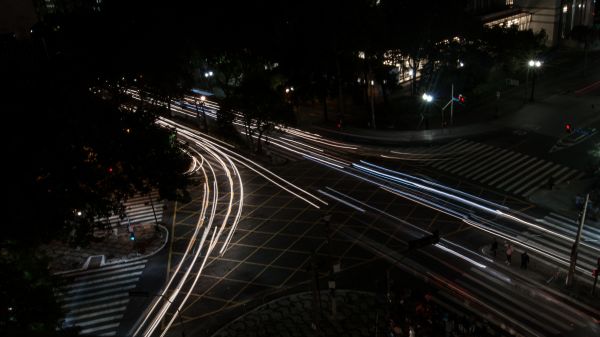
(561, 198)
(544, 274)
(376, 137)
(358, 313)
(113, 246)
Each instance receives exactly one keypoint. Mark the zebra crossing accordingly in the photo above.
(140, 209)
(568, 227)
(507, 170)
(95, 300)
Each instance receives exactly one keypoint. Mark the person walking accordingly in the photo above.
(494, 247)
(509, 251)
(524, 260)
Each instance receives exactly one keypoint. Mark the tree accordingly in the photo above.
(74, 157)
(259, 99)
(29, 307)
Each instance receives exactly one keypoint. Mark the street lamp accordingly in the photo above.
(533, 64)
(202, 100)
(428, 99)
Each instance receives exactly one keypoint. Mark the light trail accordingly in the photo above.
(418, 190)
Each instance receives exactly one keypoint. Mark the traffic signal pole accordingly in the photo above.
(596, 272)
(571, 274)
(452, 105)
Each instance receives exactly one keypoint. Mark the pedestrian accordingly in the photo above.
(524, 260)
(509, 251)
(494, 247)
(551, 182)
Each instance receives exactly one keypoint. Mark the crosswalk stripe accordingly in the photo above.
(468, 160)
(504, 169)
(110, 272)
(96, 286)
(505, 165)
(449, 152)
(537, 180)
(453, 154)
(99, 306)
(569, 174)
(139, 209)
(569, 230)
(491, 151)
(94, 300)
(104, 268)
(512, 169)
(102, 292)
(571, 225)
(100, 328)
(75, 318)
(461, 156)
(482, 168)
(535, 188)
(445, 147)
(104, 279)
(528, 177)
(100, 320)
(564, 218)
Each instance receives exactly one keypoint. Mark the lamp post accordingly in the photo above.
(428, 99)
(533, 64)
(202, 101)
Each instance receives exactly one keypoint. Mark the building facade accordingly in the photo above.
(556, 17)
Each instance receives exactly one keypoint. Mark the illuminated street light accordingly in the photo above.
(533, 64)
(202, 100)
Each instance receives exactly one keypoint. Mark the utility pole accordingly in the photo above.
(532, 85)
(595, 273)
(334, 268)
(571, 274)
(316, 302)
(153, 211)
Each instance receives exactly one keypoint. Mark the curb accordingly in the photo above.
(116, 261)
(388, 138)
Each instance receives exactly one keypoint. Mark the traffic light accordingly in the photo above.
(132, 236)
(461, 99)
(568, 128)
(425, 241)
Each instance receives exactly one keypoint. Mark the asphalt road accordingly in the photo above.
(376, 210)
